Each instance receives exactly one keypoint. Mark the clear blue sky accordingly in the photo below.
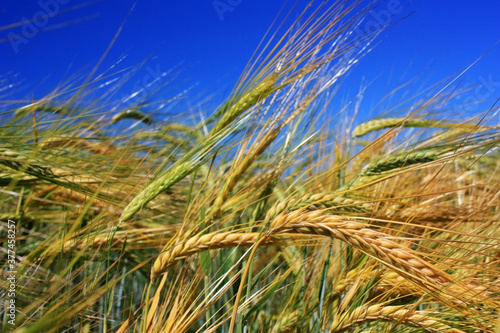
(208, 49)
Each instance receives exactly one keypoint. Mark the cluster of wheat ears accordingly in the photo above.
(277, 213)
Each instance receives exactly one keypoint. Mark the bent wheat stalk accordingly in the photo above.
(201, 243)
(319, 201)
(397, 314)
(397, 257)
(374, 243)
(378, 124)
(133, 113)
(399, 161)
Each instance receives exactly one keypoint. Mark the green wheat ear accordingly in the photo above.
(133, 113)
(395, 162)
(378, 124)
(187, 164)
(22, 111)
(204, 150)
(265, 88)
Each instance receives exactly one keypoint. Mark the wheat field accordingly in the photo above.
(279, 212)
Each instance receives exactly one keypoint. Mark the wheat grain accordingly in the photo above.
(21, 162)
(397, 314)
(180, 169)
(201, 243)
(399, 161)
(61, 141)
(133, 113)
(378, 124)
(37, 106)
(320, 201)
(372, 242)
(260, 145)
(382, 248)
(262, 90)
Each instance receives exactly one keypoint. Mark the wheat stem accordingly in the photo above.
(319, 201)
(205, 242)
(397, 314)
(378, 124)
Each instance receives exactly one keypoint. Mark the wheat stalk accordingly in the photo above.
(399, 161)
(286, 323)
(180, 169)
(262, 90)
(133, 113)
(374, 243)
(397, 314)
(21, 162)
(205, 242)
(380, 246)
(378, 124)
(319, 201)
(345, 204)
(38, 106)
(61, 141)
(258, 147)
